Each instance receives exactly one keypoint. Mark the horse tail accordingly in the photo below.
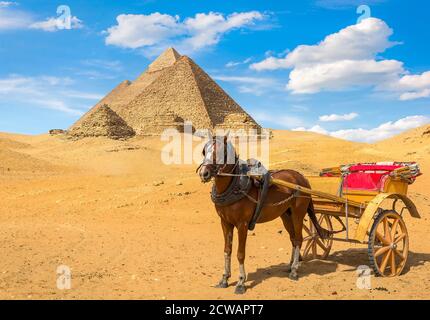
(323, 233)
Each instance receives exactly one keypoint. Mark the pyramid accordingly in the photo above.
(111, 97)
(186, 90)
(165, 60)
(102, 121)
(174, 89)
(126, 91)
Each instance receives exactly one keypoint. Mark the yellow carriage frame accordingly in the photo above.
(382, 229)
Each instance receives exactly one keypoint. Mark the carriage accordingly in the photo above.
(371, 196)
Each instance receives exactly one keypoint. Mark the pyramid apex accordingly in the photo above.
(172, 50)
(164, 60)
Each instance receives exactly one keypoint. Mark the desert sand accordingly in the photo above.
(92, 205)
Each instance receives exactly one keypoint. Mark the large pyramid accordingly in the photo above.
(172, 90)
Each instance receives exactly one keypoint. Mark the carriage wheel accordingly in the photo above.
(314, 246)
(388, 244)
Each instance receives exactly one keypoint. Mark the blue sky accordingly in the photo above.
(303, 65)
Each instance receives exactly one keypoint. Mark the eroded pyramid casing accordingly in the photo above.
(188, 92)
(172, 90)
(102, 121)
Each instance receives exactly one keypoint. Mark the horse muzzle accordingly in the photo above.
(205, 174)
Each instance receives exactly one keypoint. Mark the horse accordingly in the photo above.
(288, 204)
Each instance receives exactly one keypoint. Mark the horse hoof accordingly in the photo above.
(240, 290)
(222, 285)
(293, 276)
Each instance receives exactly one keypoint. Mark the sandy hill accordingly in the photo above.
(172, 90)
(418, 138)
(411, 145)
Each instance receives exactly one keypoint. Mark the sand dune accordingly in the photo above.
(92, 204)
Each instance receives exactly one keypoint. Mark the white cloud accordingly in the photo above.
(45, 92)
(349, 59)
(233, 64)
(357, 42)
(96, 69)
(207, 29)
(250, 80)
(416, 86)
(5, 4)
(82, 95)
(252, 85)
(415, 95)
(299, 108)
(283, 121)
(110, 65)
(55, 24)
(343, 74)
(384, 131)
(316, 129)
(158, 30)
(11, 18)
(135, 31)
(338, 117)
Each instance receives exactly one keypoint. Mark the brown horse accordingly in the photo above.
(240, 213)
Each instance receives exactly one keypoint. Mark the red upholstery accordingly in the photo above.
(364, 181)
(370, 176)
(375, 167)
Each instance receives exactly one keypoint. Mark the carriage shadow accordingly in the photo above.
(349, 257)
(356, 257)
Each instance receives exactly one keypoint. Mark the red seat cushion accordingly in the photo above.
(369, 176)
(363, 181)
(374, 167)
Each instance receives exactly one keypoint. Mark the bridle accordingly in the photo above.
(217, 169)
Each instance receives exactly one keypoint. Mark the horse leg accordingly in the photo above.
(227, 229)
(298, 214)
(288, 224)
(242, 235)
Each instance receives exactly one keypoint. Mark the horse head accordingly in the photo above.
(218, 156)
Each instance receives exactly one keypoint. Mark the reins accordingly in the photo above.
(275, 204)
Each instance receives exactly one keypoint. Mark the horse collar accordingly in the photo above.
(237, 189)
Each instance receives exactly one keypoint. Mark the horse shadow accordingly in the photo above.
(350, 257)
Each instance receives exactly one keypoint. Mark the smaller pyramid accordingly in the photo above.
(102, 121)
(109, 99)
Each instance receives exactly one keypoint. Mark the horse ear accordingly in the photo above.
(226, 136)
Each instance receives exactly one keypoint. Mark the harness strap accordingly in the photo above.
(274, 204)
(262, 198)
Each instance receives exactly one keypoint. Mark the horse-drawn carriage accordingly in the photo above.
(371, 195)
